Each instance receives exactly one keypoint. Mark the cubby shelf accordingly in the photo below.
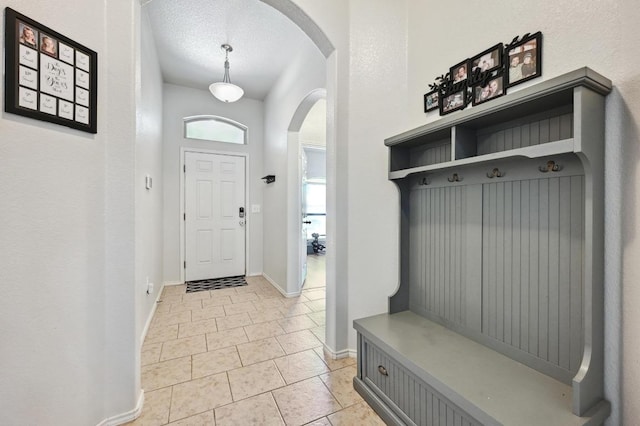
(535, 151)
(501, 265)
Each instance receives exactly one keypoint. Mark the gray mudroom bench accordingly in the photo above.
(498, 317)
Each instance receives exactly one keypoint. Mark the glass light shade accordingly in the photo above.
(226, 92)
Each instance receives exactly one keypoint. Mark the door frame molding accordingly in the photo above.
(247, 174)
(294, 225)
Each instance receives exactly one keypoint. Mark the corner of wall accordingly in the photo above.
(123, 418)
(279, 287)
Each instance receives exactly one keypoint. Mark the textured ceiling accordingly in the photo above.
(188, 35)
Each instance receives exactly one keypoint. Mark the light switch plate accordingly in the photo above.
(255, 208)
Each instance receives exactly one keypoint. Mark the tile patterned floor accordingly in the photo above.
(246, 356)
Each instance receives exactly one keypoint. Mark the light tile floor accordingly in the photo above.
(246, 356)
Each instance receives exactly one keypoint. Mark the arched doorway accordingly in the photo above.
(297, 242)
(336, 296)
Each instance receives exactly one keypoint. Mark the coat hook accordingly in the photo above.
(424, 181)
(495, 173)
(551, 166)
(454, 178)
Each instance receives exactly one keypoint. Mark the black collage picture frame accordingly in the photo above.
(487, 75)
(48, 76)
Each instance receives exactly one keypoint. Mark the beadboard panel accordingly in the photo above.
(532, 247)
(418, 401)
(438, 248)
(534, 132)
(431, 154)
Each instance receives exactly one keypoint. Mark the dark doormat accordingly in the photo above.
(215, 284)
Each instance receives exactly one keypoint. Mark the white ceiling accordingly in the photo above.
(188, 35)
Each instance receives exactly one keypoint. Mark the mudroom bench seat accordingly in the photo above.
(440, 374)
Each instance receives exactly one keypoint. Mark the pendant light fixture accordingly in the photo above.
(225, 90)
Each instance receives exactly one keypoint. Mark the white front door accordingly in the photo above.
(215, 216)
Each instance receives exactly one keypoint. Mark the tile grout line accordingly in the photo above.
(277, 406)
(287, 319)
(170, 405)
(230, 389)
(332, 394)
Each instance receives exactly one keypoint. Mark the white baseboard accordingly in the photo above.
(172, 283)
(150, 317)
(123, 418)
(346, 353)
(284, 293)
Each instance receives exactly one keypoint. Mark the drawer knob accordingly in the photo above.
(382, 370)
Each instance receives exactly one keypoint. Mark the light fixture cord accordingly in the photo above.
(226, 78)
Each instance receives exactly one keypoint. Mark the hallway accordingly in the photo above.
(247, 355)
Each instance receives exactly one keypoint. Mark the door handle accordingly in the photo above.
(308, 222)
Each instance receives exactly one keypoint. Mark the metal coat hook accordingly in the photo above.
(495, 173)
(424, 181)
(454, 178)
(551, 166)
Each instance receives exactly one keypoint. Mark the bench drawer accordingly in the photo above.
(411, 398)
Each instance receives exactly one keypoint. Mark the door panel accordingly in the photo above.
(205, 165)
(215, 232)
(226, 246)
(227, 196)
(205, 189)
(205, 245)
(303, 210)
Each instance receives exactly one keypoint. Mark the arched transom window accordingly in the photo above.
(214, 128)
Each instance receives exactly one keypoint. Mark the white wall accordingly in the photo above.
(149, 203)
(180, 102)
(303, 75)
(377, 101)
(599, 36)
(66, 227)
(120, 358)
